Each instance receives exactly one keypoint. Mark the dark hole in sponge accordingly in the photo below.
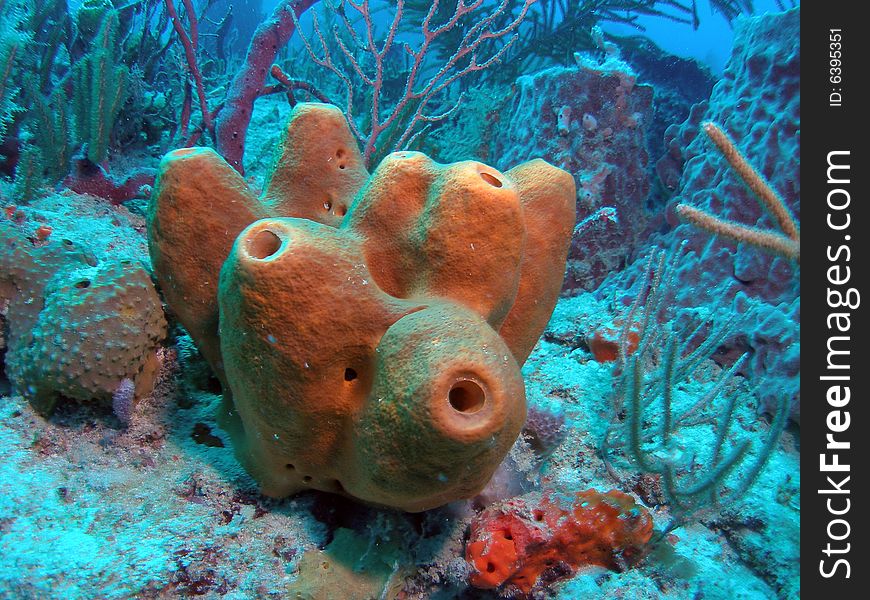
(350, 374)
(466, 396)
(84, 283)
(263, 244)
(490, 568)
(491, 180)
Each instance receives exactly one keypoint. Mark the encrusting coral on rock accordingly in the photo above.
(368, 330)
(82, 315)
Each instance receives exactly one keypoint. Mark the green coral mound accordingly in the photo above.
(81, 312)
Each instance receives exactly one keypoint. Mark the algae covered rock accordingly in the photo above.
(368, 330)
(349, 568)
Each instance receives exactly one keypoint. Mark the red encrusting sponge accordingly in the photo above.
(515, 542)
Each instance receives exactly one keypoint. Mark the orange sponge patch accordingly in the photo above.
(516, 542)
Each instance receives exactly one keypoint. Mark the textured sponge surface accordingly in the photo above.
(356, 320)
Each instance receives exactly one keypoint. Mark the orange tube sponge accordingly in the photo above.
(516, 542)
(361, 322)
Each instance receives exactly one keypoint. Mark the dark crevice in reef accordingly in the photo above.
(202, 435)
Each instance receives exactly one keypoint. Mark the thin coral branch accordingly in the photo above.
(668, 384)
(646, 386)
(420, 132)
(297, 84)
(326, 62)
(762, 238)
(635, 306)
(405, 117)
(708, 398)
(197, 134)
(443, 115)
(190, 43)
(756, 182)
(785, 244)
(354, 63)
(773, 435)
(472, 40)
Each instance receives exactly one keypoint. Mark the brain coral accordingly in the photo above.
(368, 330)
(82, 314)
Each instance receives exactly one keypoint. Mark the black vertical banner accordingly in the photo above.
(835, 269)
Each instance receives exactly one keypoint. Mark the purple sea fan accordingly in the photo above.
(122, 401)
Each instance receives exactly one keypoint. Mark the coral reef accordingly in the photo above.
(603, 145)
(82, 316)
(364, 326)
(757, 103)
(371, 343)
(196, 525)
(525, 539)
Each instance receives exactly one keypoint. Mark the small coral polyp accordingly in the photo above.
(368, 329)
